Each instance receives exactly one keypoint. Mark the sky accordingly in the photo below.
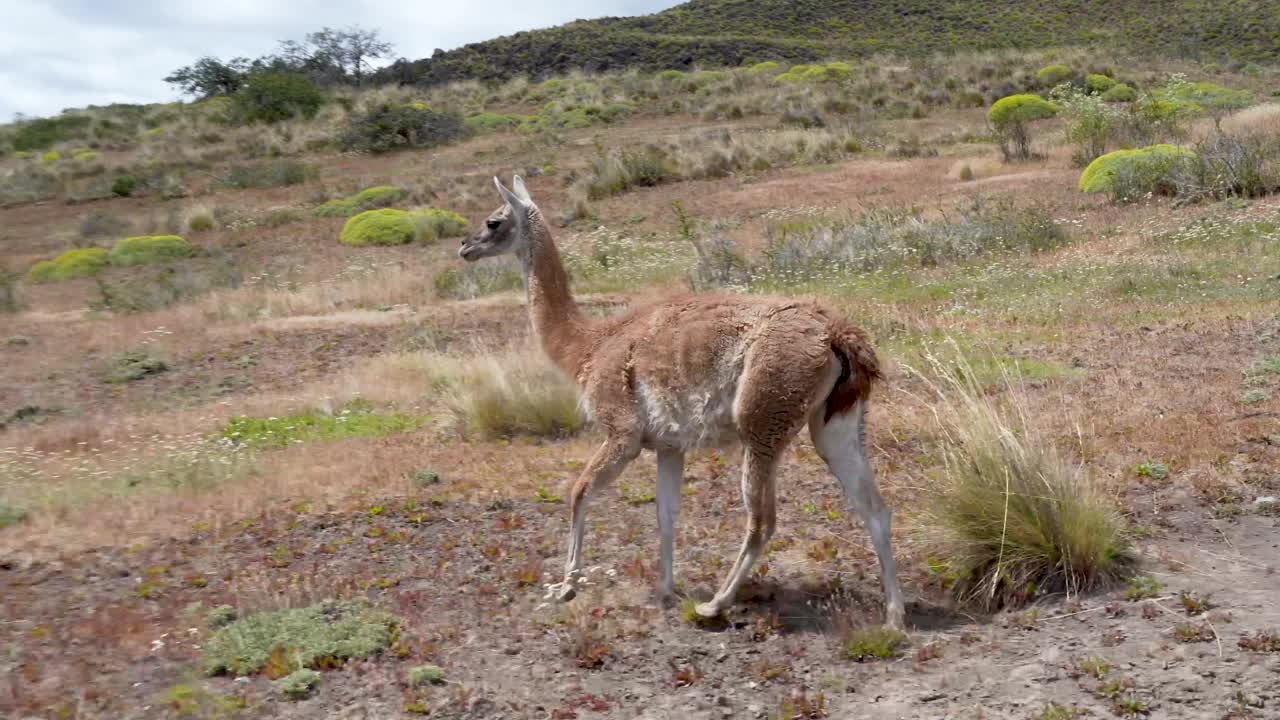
(58, 54)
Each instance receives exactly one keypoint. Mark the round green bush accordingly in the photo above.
(1098, 83)
(1016, 109)
(493, 121)
(378, 227)
(150, 249)
(85, 155)
(1144, 169)
(1051, 75)
(432, 224)
(125, 185)
(81, 262)
(1120, 93)
(767, 66)
(50, 157)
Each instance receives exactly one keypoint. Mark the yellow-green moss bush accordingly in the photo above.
(150, 249)
(1051, 75)
(1123, 174)
(1098, 83)
(51, 157)
(378, 227)
(399, 227)
(81, 262)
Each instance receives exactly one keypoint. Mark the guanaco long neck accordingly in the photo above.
(557, 322)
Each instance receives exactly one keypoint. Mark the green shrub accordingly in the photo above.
(273, 173)
(1090, 122)
(1097, 83)
(430, 224)
(831, 72)
(389, 126)
(324, 635)
(874, 643)
(274, 96)
(1126, 174)
(378, 227)
(1207, 95)
(125, 185)
(493, 121)
(298, 684)
(1005, 519)
(424, 675)
(1119, 93)
(84, 156)
(373, 198)
(1052, 75)
(134, 365)
(767, 67)
(1009, 116)
(11, 515)
(9, 291)
(221, 616)
(200, 220)
(150, 249)
(81, 262)
(50, 157)
(356, 420)
(40, 133)
(1252, 69)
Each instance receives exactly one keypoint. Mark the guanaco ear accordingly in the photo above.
(509, 197)
(517, 185)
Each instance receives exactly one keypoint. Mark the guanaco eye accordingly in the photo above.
(493, 224)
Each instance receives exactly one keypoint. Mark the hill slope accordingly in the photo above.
(729, 32)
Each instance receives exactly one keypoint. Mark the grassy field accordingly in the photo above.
(232, 445)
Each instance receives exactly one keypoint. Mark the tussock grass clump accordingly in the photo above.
(81, 262)
(273, 173)
(147, 249)
(508, 394)
(134, 365)
(423, 675)
(284, 641)
(1006, 519)
(474, 280)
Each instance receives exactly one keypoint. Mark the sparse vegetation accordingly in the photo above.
(281, 642)
(311, 425)
(134, 365)
(1142, 587)
(873, 643)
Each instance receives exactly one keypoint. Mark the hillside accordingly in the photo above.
(729, 32)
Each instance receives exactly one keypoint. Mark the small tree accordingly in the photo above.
(274, 96)
(1009, 117)
(341, 55)
(210, 77)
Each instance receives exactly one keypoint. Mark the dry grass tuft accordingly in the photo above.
(506, 394)
(1005, 518)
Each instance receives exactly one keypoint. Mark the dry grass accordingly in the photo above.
(1006, 518)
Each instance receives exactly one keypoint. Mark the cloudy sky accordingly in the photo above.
(57, 54)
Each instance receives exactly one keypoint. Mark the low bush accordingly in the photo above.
(389, 126)
(494, 121)
(273, 173)
(134, 365)
(200, 219)
(150, 249)
(100, 223)
(423, 675)
(298, 684)
(381, 196)
(281, 642)
(40, 133)
(81, 262)
(378, 227)
(125, 185)
(1097, 84)
(1052, 75)
(1120, 93)
(1005, 519)
(8, 291)
(1090, 122)
(1125, 175)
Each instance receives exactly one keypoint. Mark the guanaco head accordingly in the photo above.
(506, 229)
